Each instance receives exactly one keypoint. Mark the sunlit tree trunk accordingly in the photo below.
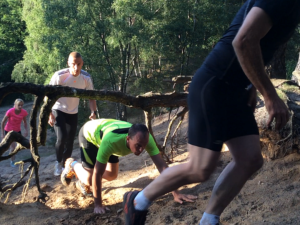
(298, 65)
(296, 72)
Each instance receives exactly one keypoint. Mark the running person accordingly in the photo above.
(65, 110)
(221, 99)
(102, 142)
(14, 118)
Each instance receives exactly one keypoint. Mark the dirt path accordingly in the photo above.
(270, 197)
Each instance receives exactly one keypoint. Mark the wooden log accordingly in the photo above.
(277, 144)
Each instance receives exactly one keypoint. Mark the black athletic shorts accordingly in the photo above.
(218, 112)
(88, 152)
(5, 132)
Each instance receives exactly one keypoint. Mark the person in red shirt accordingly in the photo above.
(14, 118)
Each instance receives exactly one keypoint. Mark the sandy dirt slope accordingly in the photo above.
(272, 196)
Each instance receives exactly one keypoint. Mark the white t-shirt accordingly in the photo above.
(65, 78)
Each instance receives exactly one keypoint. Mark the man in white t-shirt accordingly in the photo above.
(65, 110)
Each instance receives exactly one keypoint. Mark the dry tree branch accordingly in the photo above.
(11, 137)
(180, 114)
(148, 118)
(52, 93)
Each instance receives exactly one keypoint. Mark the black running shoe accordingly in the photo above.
(133, 216)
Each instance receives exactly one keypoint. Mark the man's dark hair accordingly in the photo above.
(75, 55)
(137, 128)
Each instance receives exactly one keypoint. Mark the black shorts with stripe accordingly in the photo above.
(88, 152)
(218, 112)
(6, 132)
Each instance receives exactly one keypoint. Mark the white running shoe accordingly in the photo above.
(84, 189)
(68, 173)
(57, 169)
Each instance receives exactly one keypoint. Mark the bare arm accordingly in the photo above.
(247, 48)
(25, 126)
(3, 125)
(161, 166)
(93, 108)
(51, 119)
(99, 170)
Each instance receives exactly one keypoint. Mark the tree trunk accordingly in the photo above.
(298, 64)
(296, 73)
(121, 112)
(276, 144)
(276, 68)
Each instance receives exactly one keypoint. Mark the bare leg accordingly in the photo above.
(200, 166)
(85, 174)
(12, 148)
(247, 159)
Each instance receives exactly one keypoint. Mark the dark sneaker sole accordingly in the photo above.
(66, 180)
(126, 199)
(132, 216)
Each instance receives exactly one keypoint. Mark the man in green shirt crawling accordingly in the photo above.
(101, 142)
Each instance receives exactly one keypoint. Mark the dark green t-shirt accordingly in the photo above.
(109, 136)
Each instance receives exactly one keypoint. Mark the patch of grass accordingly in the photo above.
(290, 88)
(281, 95)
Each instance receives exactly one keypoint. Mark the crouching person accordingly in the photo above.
(102, 142)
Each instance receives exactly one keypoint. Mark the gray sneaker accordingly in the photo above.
(57, 169)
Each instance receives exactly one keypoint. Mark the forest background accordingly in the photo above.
(132, 46)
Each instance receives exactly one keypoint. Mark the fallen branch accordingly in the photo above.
(38, 135)
(181, 114)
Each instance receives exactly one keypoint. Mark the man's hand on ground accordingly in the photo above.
(182, 197)
(100, 209)
(277, 110)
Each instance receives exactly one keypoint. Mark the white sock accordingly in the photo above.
(141, 203)
(73, 164)
(209, 219)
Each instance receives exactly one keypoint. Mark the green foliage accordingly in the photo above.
(127, 45)
(28, 71)
(290, 88)
(12, 34)
(120, 39)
